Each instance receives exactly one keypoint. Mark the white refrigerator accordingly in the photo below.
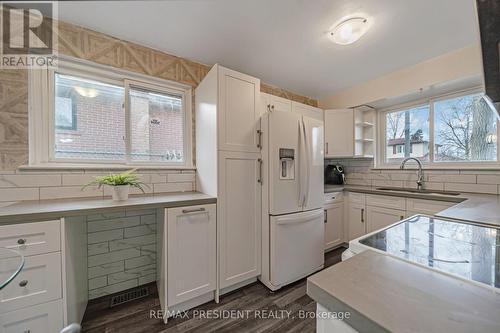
(295, 216)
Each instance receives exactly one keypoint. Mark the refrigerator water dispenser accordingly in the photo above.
(287, 164)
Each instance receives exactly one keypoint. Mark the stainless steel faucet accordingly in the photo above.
(420, 172)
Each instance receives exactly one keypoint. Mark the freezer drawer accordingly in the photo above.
(296, 246)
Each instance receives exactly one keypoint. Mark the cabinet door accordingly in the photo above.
(339, 133)
(191, 251)
(239, 217)
(334, 225)
(307, 110)
(356, 221)
(239, 111)
(378, 218)
(275, 103)
(41, 318)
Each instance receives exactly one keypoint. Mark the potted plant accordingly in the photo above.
(120, 183)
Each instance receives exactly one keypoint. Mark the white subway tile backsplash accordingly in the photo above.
(140, 261)
(180, 177)
(118, 223)
(28, 180)
(19, 193)
(173, 187)
(113, 256)
(143, 229)
(102, 236)
(105, 269)
(97, 248)
(454, 178)
(148, 219)
(98, 282)
(472, 188)
(135, 242)
(488, 178)
(147, 279)
(69, 192)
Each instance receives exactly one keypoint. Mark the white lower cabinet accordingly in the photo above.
(378, 218)
(239, 217)
(356, 220)
(188, 254)
(42, 318)
(334, 225)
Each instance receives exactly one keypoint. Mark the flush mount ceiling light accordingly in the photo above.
(349, 31)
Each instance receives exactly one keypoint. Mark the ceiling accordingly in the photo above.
(284, 42)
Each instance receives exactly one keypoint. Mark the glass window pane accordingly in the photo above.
(157, 127)
(407, 134)
(464, 130)
(89, 120)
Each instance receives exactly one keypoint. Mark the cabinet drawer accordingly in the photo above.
(42, 318)
(32, 238)
(430, 207)
(386, 201)
(356, 198)
(41, 277)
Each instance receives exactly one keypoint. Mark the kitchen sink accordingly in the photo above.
(414, 190)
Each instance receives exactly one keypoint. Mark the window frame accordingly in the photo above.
(41, 106)
(380, 161)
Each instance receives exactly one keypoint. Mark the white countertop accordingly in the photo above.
(478, 208)
(27, 211)
(385, 294)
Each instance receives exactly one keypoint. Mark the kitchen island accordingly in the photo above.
(424, 274)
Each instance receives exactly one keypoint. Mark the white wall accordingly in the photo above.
(461, 64)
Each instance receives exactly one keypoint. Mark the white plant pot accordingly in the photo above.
(120, 193)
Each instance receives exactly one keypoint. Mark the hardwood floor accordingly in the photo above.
(260, 311)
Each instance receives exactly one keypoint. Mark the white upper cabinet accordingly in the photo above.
(307, 110)
(339, 133)
(275, 103)
(239, 111)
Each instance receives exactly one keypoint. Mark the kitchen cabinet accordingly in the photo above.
(275, 103)
(356, 218)
(239, 218)
(228, 107)
(239, 111)
(191, 250)
(307, 110)
(429, 207)
(334, 225)
(339, 133)
(378, 218)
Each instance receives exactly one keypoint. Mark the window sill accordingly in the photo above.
(488, 167)
(71, 166)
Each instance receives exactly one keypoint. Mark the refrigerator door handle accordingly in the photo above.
(302, 164)
(307, 163)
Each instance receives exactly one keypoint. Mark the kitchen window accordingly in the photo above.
(92, 115)
(456, 130)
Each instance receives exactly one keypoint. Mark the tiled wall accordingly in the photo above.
(35, 185)
(359, 172)
(121, 251)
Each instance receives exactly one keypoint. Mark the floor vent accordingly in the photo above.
(128, 296)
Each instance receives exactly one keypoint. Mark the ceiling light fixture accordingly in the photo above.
(349, 31)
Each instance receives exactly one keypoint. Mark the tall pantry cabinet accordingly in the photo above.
(229, 166)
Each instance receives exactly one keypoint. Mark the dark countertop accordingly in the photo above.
(386, 294)
(478, 208)
(29, 211)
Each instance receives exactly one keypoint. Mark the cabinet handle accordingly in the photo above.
(187, 211)
(327, 148)
(401, 217)
(21, 241)
(27, 331)
(269, 107)
(362, 215)
(259, 180)
(272, 107)
(259, 139)
(326, 216)
(23, 283)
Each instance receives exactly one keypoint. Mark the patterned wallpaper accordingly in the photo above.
(103, 49)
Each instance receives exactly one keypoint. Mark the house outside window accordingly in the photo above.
(456, 130)
(109, 117)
